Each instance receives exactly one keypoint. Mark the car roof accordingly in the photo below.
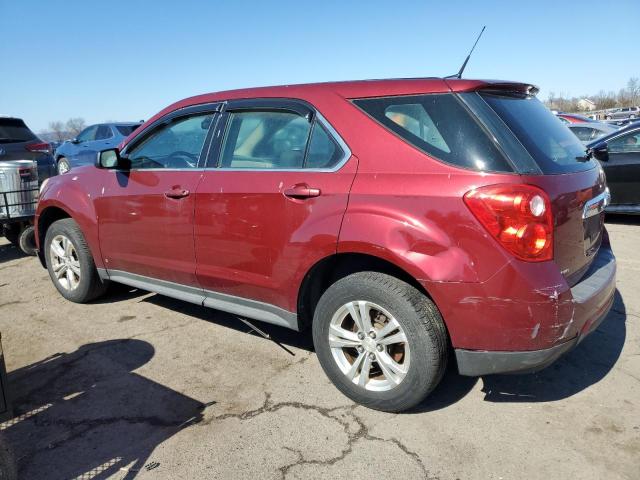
(353, 89)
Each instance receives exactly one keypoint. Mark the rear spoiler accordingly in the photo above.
(497, 86)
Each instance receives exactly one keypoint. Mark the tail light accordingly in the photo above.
(39, 147)
(518, 216)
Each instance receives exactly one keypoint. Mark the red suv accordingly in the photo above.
(398, 219)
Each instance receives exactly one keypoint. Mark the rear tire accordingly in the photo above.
(63, 166)
(70, 263)
(419, 352)
(27, 240)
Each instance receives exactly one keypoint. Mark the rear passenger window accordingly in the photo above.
(272, 140)
(265, 140)
(439, 126)
(103, 132)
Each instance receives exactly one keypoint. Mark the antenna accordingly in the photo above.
(464, 65)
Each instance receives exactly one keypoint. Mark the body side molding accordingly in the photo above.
(227, 303)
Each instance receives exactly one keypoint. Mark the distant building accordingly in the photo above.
(585, 104)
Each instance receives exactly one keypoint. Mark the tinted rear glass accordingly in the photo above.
(440, 126)
(14, 130)
(551, 144)
(126, 130)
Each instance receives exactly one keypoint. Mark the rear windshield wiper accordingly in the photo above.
(588, 155)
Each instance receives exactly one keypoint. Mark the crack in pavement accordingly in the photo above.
(362, 432)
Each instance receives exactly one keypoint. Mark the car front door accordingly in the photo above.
(623, 168)
(79, 146)
(146, 212)
(273, 203)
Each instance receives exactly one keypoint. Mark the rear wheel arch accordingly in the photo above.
(329, 270)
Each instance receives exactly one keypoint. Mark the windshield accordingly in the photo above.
(14, 130)
(551, 144)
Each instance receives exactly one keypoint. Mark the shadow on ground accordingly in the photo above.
(86, 414)
(281, 335)
(8, 253)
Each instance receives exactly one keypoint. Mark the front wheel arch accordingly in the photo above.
(45, 220)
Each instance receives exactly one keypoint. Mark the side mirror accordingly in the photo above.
(75, 141)
(110, 159)
(600, 151)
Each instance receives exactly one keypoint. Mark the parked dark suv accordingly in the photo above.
(397, 219)
(18, 142)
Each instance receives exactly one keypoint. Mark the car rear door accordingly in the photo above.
(623, 168)
(146, 213)
(272, 203)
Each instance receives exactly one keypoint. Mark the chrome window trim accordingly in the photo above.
(241, 306)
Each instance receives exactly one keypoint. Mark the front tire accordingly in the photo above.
(70, 263)
(380, 341)
(63, 166)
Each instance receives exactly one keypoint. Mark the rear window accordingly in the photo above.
(440, 126)
(14, 130)
(551, 144)
(126, 130)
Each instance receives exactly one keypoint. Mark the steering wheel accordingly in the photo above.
(181, 159)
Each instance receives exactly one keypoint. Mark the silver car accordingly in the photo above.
(590, 131)
(626, 112)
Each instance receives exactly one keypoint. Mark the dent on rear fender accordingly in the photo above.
(420, 245)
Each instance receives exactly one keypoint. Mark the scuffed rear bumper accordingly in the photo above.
(592, 299)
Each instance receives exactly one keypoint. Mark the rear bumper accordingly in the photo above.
(592, 300)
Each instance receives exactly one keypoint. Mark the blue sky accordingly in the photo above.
(126, 59)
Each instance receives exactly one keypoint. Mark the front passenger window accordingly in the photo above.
(175, 145)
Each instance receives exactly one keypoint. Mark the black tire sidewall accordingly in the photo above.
(422, 375)
(27, 240)
(69, 229)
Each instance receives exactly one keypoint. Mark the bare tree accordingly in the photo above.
(58, 130)
(75, 125)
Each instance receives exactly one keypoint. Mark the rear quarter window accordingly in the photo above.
(126, 130)
(440, 126)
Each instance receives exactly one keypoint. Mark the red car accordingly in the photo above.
(397, 219)
(573, 118)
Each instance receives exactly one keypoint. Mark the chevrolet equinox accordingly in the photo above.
(399, 220)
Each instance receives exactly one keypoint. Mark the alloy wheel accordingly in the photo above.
(369, 345)
(63, 166)
(65, 262)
